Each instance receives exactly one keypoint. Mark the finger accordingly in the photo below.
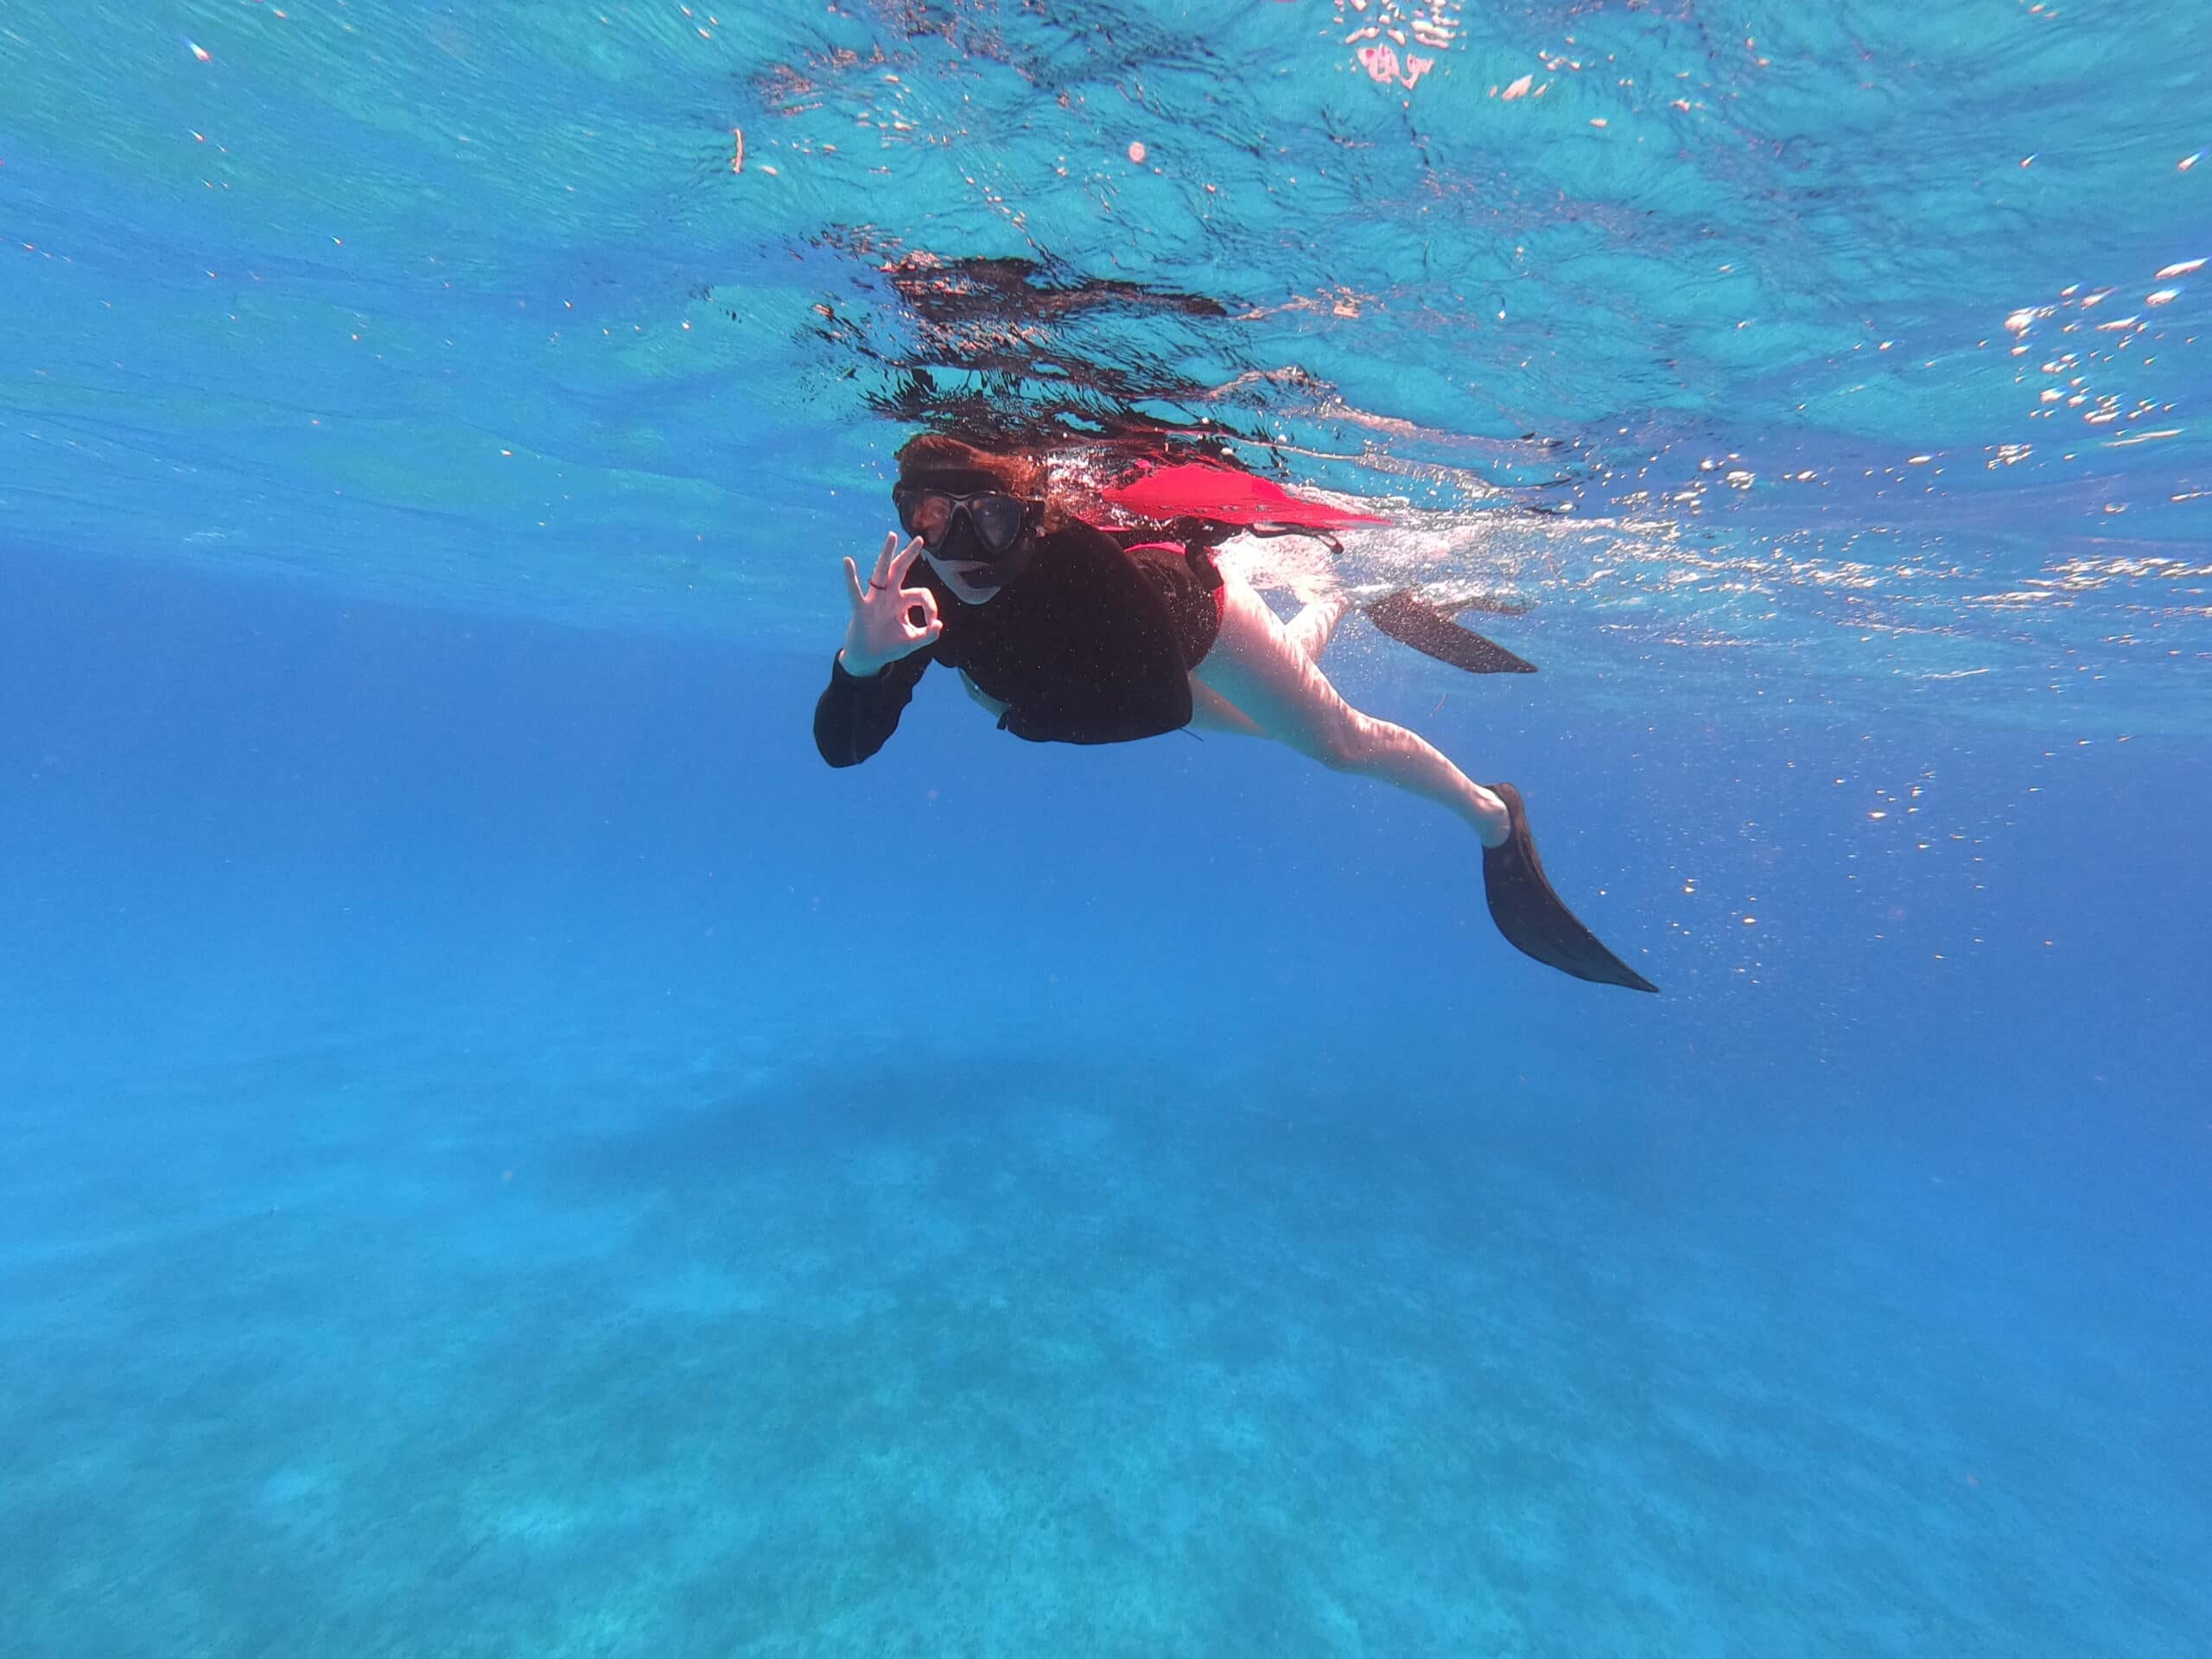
(926, 631)
(905, 562)
(853, 582)
(931, 624)
(882, 576)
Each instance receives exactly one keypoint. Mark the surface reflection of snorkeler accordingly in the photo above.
(1068, 636)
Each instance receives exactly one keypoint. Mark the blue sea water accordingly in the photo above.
(503, 1152)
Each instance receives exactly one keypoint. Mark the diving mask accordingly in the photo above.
(963, 515)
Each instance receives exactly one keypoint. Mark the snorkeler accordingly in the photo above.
(1068, 636)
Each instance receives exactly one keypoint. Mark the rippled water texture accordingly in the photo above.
(1867, 333)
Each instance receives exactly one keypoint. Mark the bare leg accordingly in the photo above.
(1258, 668)
(1212, 712)
(1310, 628)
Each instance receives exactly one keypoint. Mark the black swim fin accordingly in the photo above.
(1532, 917)
(1434, 633)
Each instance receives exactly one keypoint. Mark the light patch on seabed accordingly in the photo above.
(697, 1291)
(730, 1366)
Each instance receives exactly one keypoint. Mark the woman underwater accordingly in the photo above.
(1067, 637)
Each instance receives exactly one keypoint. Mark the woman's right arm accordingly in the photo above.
(885, 650)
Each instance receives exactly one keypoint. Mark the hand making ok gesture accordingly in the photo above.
(882, 628)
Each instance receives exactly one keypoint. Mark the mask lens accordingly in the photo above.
(927, 514)
(998, 521)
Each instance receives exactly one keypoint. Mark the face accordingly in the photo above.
(960, 526)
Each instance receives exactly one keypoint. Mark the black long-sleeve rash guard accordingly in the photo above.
(1087, 646)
